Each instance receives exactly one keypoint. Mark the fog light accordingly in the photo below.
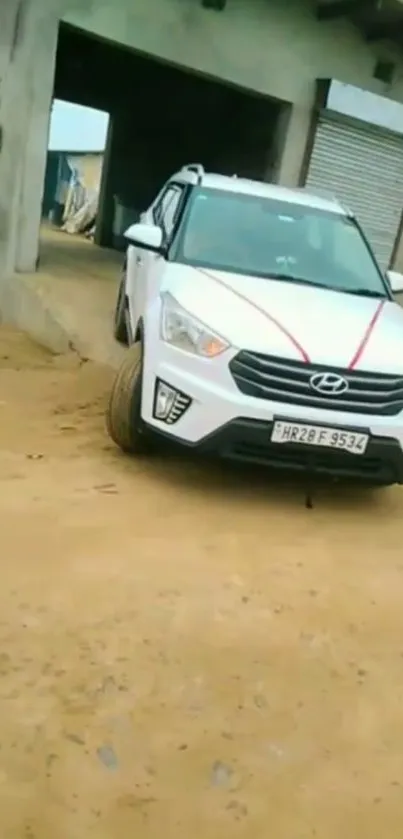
(169, 404)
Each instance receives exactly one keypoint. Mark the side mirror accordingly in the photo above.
(395, 280)
(147, 236)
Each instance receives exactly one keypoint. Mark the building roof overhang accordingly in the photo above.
(377, 19)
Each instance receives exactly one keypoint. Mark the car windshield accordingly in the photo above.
(244, 234)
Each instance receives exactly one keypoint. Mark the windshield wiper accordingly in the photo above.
(293, 279)
(364, 292)
(358, 292)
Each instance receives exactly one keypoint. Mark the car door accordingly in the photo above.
(135, 259)
(144, 267)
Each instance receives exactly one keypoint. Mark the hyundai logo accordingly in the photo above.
(329, 384)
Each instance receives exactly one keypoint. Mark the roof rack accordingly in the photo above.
(195, 167)
(330, 196)
(321, 193)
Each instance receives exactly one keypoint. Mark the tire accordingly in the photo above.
(119, 322)
(123, 418)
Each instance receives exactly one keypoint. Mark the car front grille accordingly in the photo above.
(288, 382)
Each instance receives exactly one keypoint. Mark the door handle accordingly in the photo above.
(139, 260)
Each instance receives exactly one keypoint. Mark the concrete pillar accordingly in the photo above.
(103, 230)
(36, 145)
(293, 132)
(11, 142)
(28, 41)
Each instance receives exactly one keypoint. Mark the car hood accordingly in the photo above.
(293, 321)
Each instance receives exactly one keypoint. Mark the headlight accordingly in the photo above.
(183, 330)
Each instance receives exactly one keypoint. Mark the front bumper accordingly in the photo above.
(248, 441)
(224, 422)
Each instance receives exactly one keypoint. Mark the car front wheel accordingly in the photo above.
(124, 422)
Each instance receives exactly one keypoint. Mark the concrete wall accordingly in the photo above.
(273, 46)
(276, 47)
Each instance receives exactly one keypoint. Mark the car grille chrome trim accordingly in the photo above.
(287, 381)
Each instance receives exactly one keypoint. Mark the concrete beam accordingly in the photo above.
(342, 8)
(384, 30)
(216, 5)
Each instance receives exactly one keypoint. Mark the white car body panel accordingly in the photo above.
(331, 331)
(267, 316)
(328, 325)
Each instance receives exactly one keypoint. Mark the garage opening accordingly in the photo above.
(75, 158)
(161, 117)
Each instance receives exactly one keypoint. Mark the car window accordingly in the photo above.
(165, 211)
(346, 251)
(313, 233)
(340, 241)
(264, 237)
(171, 210)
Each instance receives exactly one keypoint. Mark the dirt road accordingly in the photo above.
(186, 652)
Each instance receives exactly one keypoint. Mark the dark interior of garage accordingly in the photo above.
(160, 118)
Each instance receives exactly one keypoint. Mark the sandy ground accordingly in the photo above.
(186, 651)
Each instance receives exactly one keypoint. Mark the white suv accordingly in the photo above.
(260, 327)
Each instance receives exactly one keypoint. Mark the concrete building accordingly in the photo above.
(251, 86)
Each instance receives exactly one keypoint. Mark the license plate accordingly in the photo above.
(321, 436)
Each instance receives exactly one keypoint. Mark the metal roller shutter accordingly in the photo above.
(363, 167)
